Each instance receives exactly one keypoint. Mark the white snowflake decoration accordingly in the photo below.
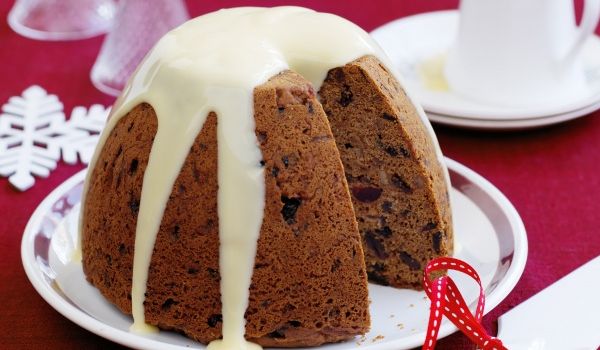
(34, 133)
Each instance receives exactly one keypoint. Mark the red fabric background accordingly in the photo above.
(550, 175)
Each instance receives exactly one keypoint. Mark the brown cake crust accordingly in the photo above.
(398, 186)
(112, 204)
(309, 282)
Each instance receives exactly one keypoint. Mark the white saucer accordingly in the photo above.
(511, 124)
(417, 45)
(489, 235)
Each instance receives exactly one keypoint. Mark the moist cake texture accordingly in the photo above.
(309, 280)
(398, 188)
(260, 165)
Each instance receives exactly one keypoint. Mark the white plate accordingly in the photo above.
(489, 235)
(513, 124)
(419, 43)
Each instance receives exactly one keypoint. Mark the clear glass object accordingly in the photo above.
(137, 27)
(61, 19)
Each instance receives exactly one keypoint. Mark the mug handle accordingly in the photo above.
(589, 21)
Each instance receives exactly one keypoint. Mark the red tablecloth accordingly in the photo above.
(551, 175)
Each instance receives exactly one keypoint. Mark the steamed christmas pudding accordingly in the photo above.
(259, 167)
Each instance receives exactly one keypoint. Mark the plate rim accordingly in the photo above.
(86, 321)
(513, 124)
(502, 114)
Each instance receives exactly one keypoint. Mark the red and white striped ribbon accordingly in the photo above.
(446, 300)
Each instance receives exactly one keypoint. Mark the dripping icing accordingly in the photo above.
(202, 66)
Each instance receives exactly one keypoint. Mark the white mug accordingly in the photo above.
(520, 53)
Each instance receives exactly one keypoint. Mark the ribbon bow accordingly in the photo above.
(446, 300)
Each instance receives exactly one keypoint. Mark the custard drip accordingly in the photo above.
(213, 63)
